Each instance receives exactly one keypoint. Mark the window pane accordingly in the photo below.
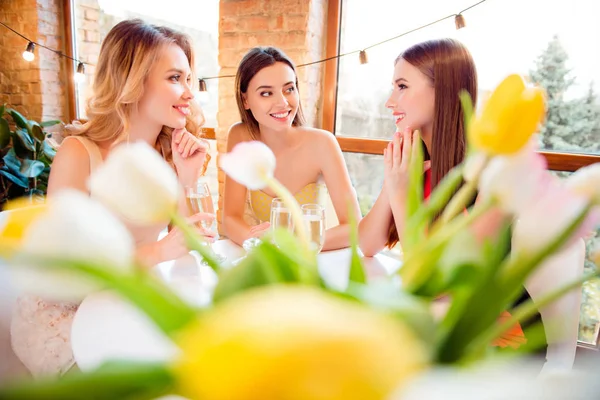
(589, 318)
(197, 19)
(366, 173)
(559, 48)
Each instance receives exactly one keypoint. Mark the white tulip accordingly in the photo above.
(543, 220)
(136, 182)
(74, 227)
(515, 181)
(586, 182)
(251, 164)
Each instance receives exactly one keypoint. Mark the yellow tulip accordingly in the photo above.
(295, 343)
(509, 118)
(18, 216)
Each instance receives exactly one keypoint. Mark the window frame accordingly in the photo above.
(557, 161)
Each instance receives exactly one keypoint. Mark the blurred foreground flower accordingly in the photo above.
(509, 118)
(137, 183)
(70, 227)
(292, 342)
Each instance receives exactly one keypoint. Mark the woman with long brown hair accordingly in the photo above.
(428, 78)
(269, 105)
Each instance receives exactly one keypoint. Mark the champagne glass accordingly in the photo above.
(314, 220)
(281, 218)
(280, 215)
(199, 200)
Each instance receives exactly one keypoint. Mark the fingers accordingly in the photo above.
(398, 146)
(387, 155)
(192, 219)
(187, 148)
(260, 229)
(406, 148)
(177, 135)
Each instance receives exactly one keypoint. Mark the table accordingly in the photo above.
(109, 327)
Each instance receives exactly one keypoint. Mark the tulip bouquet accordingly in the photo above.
(275, 328)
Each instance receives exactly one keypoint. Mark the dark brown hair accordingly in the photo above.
(255, 60)
(450, 69)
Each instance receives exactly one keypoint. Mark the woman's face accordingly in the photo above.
(272, 97)
(412, 99)
(167, 91)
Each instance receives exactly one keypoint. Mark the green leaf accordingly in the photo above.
(113, 380)
(37, 132)
(411, 310)
(50, 123)
(415, 232)
(12, 161)
(48, 153)
(19, 119)
(265, 265)
(25, 140)
(17, 180)
(357, 269)
(2, 109)
(168, 311)
(32, 168)
(4, 133)
(467, 108)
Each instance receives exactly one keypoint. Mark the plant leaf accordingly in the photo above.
(357, 269)
(25, 140)
(32, 168)
(12, 161)
(4, 133)
(112, 380)
(17, 180)
(19, 119)
(47, 124)
(265, 265)
(37, 132)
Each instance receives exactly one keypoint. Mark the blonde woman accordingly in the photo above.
(143, 91)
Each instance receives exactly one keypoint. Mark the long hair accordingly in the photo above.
(450, 69)
(254, 61)
(126, 57)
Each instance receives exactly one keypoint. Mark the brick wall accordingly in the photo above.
(295, 26)
(35, 88)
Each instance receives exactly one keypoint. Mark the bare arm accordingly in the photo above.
(234, 196)
(70, 168)
(373, 228)
(340, 189)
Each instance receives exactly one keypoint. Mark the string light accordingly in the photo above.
(362, 57)
(80, 74)
(28, 53)
(459, 21)
(202, 85)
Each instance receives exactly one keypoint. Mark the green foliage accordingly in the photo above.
(25, 156)
(570, 124)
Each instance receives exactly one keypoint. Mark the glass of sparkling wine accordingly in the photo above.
(280, 215)
(314, 220)
(199, 200)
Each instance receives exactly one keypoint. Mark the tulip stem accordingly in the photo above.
(289, 200)
(196, 241)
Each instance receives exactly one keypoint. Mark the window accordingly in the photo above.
(197, 19)
(556, 49)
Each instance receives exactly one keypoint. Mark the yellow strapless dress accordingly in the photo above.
(260, 202)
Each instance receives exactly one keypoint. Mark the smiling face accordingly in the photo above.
(272, 97)
(167, 91)
(412, 100)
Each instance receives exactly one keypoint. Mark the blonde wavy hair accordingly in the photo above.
(126, 57)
